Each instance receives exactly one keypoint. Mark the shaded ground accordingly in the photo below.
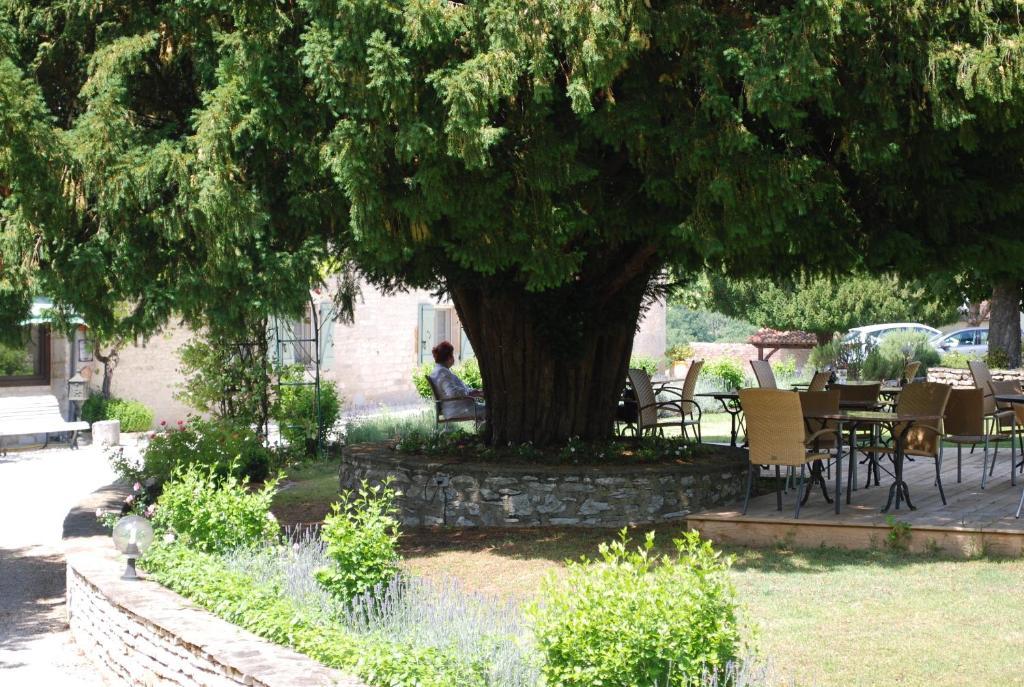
(37, 489)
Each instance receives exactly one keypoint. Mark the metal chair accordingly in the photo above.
(649, 408)
(777, 436)
(440, 418)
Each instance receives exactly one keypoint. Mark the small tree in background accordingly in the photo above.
(825, 305)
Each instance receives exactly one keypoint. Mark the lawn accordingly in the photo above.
(823, 616)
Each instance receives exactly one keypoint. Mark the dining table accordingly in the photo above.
(730, 401)
(852, 420)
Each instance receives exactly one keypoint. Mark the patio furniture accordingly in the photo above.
(918, 404)
(687, 396)
(819, 382)
(964, 423)
(730, 401)
(813, 405)
(858, 396)
(983, 380)
(649, 408)
(764, 374)
(1015, 400)
(910, 371)
(440, 418)
(30, 415)
(1011, 415)
(777, 436)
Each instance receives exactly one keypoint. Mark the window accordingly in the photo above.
(984, 337)
(966, 337)
(29, 364)
(439, 323)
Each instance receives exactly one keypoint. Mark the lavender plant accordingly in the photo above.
(431, 614)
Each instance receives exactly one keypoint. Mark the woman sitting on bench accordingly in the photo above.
(450, 386)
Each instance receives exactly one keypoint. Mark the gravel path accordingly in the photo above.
(37, 489)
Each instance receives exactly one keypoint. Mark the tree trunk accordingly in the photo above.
(553, 364)
(824, 337)
(1004, 323)
(110, 361)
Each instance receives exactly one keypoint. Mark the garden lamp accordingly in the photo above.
(132, 536)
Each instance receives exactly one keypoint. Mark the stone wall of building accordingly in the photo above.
(962, 379)
(438, 492)
(141, 634)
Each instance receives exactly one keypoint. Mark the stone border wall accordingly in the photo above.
(962, 379)
(142, 634)
(439, 492)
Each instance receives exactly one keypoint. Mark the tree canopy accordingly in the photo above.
(544, 162)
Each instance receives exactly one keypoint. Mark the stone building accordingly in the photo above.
(371, 360)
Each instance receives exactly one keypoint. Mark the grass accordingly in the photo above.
(823, 616)
(307, 493)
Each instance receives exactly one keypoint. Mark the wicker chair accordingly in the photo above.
(910, 371)
(649, 408)
(777, 436)
(1011, 416)
(983, 380)
(866, 394)
(814, 404)
(690, 408)
(764, 374)
(923, 398)
(965, 423)
(439, 415)
(819, 382)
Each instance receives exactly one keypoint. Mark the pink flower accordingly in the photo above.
(169, 537)
(163, 422)
(130, 499)
(152, 435)
(136, 487)
(150, 509)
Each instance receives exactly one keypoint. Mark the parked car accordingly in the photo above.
(874, 333)
(968, 341)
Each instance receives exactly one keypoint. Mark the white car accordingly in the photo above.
(873, 334)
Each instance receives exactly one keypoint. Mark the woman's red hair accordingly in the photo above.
(442, 352)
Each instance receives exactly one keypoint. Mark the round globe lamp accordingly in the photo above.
(132, 536)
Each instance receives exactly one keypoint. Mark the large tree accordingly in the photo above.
(544, 162)
(824, 305)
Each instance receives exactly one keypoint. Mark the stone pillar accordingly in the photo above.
(106, 433)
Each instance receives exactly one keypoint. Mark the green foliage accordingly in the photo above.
(687, 324)
(296, 409)
(898, 537)
(725, 372)
(468, 371)
(645, 363)
(226, 379)
(14, 360)
(223, 446)
(215, 514)
(263, 610)
(632, 618)
(997, 358)
(890, 357)
(134, 416)
(388, 427)
(956, 360)
(784, 369)
(679, 352)
(361, 534)
(829, 304)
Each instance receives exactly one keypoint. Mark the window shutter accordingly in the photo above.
(426, 332)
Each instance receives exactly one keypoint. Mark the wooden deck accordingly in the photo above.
(974, 521)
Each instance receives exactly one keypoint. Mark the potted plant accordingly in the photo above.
(678, 356)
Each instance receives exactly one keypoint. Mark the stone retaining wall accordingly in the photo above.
(962, 379)
(439, 492)
(144, 635)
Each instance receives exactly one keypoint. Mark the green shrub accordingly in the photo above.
(388, 427)
(361, 535)
(296, 411)
(133, 415)
(468, 371)
(956, 360)
(890, 357)
(997, 358)
(225, 446)
(630, 618)
(679, 352)
(263, 610)
(14, 361)
(645, 363)
(727, 372)
(215, 514)
(784, 369)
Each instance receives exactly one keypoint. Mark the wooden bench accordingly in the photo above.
(26, 415)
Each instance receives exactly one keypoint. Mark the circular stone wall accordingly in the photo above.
(435, 491)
